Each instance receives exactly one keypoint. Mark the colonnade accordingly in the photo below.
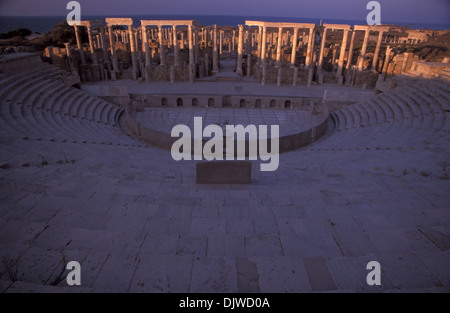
(251, 39)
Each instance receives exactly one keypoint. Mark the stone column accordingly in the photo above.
(147, 51)
(309, 51)
(105, 49)
(91, 46)
(79, 46)
(139, 54)
(350, 51)
(133, 51)
(103, 39)
(263, 45)
(221, 42)
(334, 50)
(248, 48)
(206, 64)
(196, 46)
(342, 53)
(264, 73)
(191, 55)
(363, 50)
(377, 51)
(294, 47)
(176, 48)
(240, 50)
(182, 41)
(386, 60)
(310, 75)
(146, 46)
(279, 40)
(69, 57)
(249, 65)
(112, 45)
(252, 44)
(77, 36)
(191, 45)
(258, 40)
(98, 41)
(233, 40)
(170, 37)
(215, 52)
(322, 48)
(205, 37)
(162, 55)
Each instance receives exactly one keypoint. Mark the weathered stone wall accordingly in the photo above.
(287, 75)
(366, 77)
(162, 72)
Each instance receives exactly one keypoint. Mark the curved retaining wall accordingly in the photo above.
(219, 101)
(165, 141)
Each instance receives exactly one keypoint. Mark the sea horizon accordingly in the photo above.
(42, 24)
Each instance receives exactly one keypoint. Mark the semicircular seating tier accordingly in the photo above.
(416, 110)
(36, 105)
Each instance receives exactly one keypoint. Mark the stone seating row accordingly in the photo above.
(37, 104)
(399, 116)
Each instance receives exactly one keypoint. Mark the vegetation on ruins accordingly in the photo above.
(21, 32)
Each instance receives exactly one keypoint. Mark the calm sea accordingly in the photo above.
(41, 24)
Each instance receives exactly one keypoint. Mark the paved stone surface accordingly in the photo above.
(289, 121)
(137, 222)
(250, 88)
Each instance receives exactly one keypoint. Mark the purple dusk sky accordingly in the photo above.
(414, 11)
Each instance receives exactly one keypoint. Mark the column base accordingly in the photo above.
(191, 72)
(348, 78)
(310, 76)
(172, 75)
(320, 79)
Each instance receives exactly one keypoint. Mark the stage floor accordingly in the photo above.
(289, 121)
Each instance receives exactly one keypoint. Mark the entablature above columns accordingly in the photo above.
(111, 21)
(161, 23)
(374, 28)
(337, 26)
(280, 24)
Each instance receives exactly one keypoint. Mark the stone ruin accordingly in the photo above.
(77, 186)
(268, 52)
